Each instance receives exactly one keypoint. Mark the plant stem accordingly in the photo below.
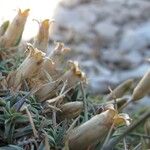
(84, 103)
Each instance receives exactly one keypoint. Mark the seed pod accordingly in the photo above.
(70, 110)
(92, 131)
(74, 75)
(42, 38)
(30, 66)
(50, 67)
(48, 90)
(4, 27)
(120, 90)
(58, 55)
(142, 88)
(14, 32)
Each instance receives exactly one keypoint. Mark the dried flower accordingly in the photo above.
(142, 88)
(42, 38)
(14, 32)
(74, 75)
(49, 68)
(95, 129)
(30, 66)
(70, 110)
(121, 119)
(91, 131)
(120, 90)
(48, 90)
(58, 55)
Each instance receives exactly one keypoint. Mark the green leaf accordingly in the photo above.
(23, 131)
(11, 147)
(4, 27)
(21, 118)
(9, 130)
(41, 146)
(2, 119)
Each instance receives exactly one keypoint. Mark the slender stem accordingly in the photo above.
(73, 125)
(138, 147)
(54, 118)
(84, 103)
(114, 98)
(108, 136)
(125, 144)
(35, 132)
(125, 105)
(140, 135)
(47, 145)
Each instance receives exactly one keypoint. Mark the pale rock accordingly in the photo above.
(135, 73)
(123, 60)
(72, 3)
(74, 24)
(136, 39)
(106, 31)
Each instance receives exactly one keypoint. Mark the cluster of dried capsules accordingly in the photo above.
(50, 78)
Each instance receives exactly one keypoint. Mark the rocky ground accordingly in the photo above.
(111, 38)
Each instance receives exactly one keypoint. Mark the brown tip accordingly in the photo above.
(24, 13)
(45, 23)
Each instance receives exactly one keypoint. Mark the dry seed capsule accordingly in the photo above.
(74, 75)
(14, 32)
(58, 55)
(30, 66)
(42, 38)
(120, 90)
(91, 131)
(71, 110)
(142, 88)
(48, 90)
(50, 67)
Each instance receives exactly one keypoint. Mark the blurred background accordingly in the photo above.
(110, 38)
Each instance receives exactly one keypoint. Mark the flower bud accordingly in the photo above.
(120, 90)
(14, 32)
(70, 110)
(142, 88)
(90, 132)
(74, 75)
(42, 38)
(30, 66)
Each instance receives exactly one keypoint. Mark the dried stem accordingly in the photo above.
(125, 105)
(32, 123)
(60, 96)
(138, 147)
(47, 146)
(84, 102)
(54, 118)
(72, 125)
(140, 135)
(114, 97)
(125, 144)
(108, 136)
